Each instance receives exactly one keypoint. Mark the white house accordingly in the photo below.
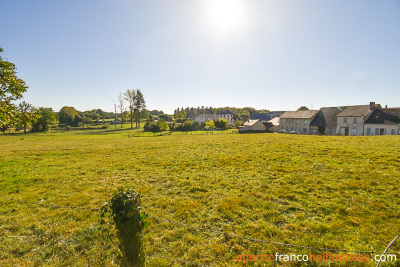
(209, 117)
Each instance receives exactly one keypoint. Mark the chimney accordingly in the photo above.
(371, 105)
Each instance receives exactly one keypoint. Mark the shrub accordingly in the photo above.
(159, 126)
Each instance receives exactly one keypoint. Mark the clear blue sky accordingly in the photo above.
(275, 55)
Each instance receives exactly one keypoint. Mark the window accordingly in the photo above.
(368, 131)
(283, 120)
(376, 131)
(304, 130)
(392, 132)
(297, 121)
(344, 120)
(355, 121)
(305, 121)
(354, 131)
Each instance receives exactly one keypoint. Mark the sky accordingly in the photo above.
(275, 55)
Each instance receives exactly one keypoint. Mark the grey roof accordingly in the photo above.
(250, 122)
(206, 116)
(356, 111)
(260, 116)
(388, 116)
(326, 117)
(302, 114)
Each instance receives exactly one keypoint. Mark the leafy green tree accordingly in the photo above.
(171, 126)
(222, 124)
(46, 119)
(130, 96)
(210, 124)
(11, 89)
(66, 115)
(27, 115)
(140, 107)
(302, 108)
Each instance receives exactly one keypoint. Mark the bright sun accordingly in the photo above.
(226, 15)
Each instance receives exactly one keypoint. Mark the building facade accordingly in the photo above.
(297, 121)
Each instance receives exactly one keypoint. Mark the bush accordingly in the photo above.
(221, 123)
(210, 125)
(159, 126)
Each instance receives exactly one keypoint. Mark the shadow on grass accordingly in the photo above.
(104, 132)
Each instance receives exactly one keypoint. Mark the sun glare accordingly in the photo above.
(226, 15)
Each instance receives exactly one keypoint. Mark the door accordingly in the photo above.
(346, 131)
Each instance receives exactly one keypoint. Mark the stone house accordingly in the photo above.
(384, 121)
(297, 121)
(325, 122)
(352, 119)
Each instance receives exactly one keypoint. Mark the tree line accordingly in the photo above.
(25, 116)
(242, 114)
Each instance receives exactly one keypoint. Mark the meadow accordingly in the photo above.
(314, 191)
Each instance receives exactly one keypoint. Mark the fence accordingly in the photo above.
(199, 229)
(151, 134)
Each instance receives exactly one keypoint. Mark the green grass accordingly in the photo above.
(335, 192)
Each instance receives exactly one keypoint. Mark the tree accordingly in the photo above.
(121, 106)
(222, 124)
(140, 106)
(130, 96)
(302, 108)
(115, 113)
(11, 89)
(210, 125)
(46, 119)
(27, 115)
(67, 115)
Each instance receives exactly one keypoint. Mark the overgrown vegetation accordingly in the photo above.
(322, 191)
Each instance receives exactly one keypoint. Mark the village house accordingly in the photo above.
(325, 122)
(202, 118)
(384, 121)
(352, 119)
(252, 126)
(273, 124)
(297, 121)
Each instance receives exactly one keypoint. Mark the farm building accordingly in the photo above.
(325, 122)
(252, 126)
(273, 124)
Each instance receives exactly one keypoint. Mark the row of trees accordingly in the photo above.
(188, 125)
(242, 114)
(136, 106)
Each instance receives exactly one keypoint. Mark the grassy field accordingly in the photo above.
(319, 191)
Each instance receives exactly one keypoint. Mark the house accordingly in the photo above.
(384, 121)
(116, 121)
(352, 119)
(273, 124)
(326, 121)
(202, 118)
(297, 121)
(252, 126)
